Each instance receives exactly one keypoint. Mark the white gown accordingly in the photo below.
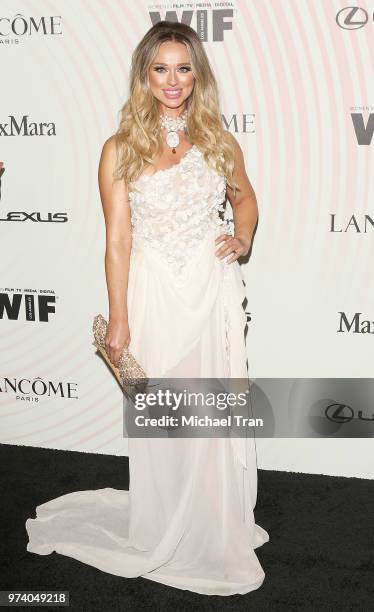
(187, 520)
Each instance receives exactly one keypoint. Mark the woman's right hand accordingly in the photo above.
(117, 338)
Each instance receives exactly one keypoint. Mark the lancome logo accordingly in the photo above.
(354, 224)
(20, 26)
(27, 304)
(210, 24)
(24, 127)
(32, 389)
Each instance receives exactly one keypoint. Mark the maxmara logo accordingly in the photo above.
(32, 389)
(210, 24)
(356, 324)
(24, 127)
(27, 304)
(12, 29)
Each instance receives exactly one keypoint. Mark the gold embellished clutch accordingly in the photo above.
(128, 372)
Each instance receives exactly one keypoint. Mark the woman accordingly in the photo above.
(175, 300)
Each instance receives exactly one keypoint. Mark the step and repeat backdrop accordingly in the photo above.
(297, 91)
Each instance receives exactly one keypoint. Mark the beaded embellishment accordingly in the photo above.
(128, 372)
(173, 209)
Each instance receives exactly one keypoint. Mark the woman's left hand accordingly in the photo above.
(234, 245)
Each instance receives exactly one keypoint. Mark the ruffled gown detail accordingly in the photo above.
(187, 520)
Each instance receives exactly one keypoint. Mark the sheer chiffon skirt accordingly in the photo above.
(187, 520)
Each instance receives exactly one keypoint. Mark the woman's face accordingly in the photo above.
(170, 77)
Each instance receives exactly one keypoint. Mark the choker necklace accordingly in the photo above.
(172, 125)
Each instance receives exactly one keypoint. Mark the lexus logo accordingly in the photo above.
(342, 413)
(35, 216)
(352, 18)
(339, 413)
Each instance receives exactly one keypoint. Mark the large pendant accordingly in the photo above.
(172, 140)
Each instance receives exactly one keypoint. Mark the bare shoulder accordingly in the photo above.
(108, 160)
(109, 150)
(113, 190)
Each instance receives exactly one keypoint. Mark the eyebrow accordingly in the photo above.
(162, 64)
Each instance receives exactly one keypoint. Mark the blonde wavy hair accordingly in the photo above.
(138, 138)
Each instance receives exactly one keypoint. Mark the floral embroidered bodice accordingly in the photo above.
(172, 210)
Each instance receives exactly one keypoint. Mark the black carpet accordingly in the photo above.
(320, 555)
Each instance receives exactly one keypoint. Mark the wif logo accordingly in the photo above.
(36, 307)
(220, 20)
